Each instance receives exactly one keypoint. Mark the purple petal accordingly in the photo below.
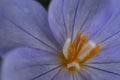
(24, 23)
(109, 35)
(101, 74)
(66, 75)
(34, 64)
(85, 75)
(106, 63)
(107, 55)
(30, 64)
(66, 17)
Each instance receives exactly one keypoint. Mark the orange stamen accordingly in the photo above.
(91, 54)
(77, 50)
(76, 46)
(80, 45)
(77, 40)
(83, 40)
(70, 51)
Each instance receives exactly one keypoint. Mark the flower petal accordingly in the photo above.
(107, 62)
(24, 23)
(106, 65)
(29, 64)
(66, 75)
(85, 75)
(109, 35)
(107, 55)
(98, 73)
(66, 17)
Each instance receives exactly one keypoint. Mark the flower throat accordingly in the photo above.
(75, 53)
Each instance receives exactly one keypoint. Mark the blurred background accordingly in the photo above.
(45, 3)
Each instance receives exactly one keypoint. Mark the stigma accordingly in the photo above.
(77, 52)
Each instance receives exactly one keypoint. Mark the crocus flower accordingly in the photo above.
(80, 42)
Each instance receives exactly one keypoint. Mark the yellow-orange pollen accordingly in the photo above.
(76, 53)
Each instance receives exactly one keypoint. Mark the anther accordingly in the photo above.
(78, 51)
(92, 53)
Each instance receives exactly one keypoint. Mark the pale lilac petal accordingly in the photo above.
(106, 63)
(85, 75)
(110, 54)
(109, 35)
(30, 64)
(66, 17)
(66, 75)
(24, 23)
(108, 59)
(34, 64)
(99, 73)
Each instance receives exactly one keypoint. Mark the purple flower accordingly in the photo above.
(81, 43)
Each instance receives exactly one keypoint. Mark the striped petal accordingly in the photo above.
(66, 17)
(30, 64)
(109, 35)
(99, 73)
(105, 64)
(24, 23)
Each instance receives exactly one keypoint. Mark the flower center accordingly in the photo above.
(75, 53)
